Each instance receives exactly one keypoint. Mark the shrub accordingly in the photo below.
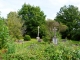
(46, 52)
(11, 48)
(46, 38)
(61, 52)
(4, 34)
(27, 38)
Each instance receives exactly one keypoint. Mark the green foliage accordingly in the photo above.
(14, 24)
(27, 38)
(60, 28)
(46, 38)
(70, 16)
(43, 51)
(43, 30)
(10, 47)
(49, 36)
(76, 34)
(58, 35)
(4, 34)
(33, 17)
(32, 50)
(60, 52)
(51, 24)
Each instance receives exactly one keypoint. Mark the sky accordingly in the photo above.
(49, 7)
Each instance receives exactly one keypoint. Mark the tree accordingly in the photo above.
(62, 27)
(52, 23)
(14, 24)
(70, 16)
(4, 34)
(33, 17)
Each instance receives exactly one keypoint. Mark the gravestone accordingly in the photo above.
(54, 40)
(38, 38)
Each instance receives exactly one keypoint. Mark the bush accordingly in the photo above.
(46, 52)
(46, 38)
(4, 34)
(27, 38)
(62, 52)
(11, 48)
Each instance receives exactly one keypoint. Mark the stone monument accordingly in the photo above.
(54, 40)
(38, 38)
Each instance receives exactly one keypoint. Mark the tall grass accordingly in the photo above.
(34, 50)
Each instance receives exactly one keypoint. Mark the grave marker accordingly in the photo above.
(38, 38)
(54, 40)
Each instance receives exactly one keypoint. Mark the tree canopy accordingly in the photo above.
(70, 16)
(4, 34)
(52, 23)
(33, 17)
(14, 24)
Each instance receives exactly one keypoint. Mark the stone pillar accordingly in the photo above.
(38, 38)
(38, 31)
(54, 40)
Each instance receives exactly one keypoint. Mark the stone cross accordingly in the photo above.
(54, 31)
(38, 38)
(54, 38)
(38, 31)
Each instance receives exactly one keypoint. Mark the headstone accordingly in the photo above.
(54, 40)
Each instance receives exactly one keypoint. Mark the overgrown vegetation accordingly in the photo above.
(14, 24)
(33, 50)
(27, 38)
(4, 34)
(70, 16)
(33, 17)
(24, 23)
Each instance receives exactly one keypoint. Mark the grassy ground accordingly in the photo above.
(25, 44)
(35, 49)
(34, 44)
(22, 46)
